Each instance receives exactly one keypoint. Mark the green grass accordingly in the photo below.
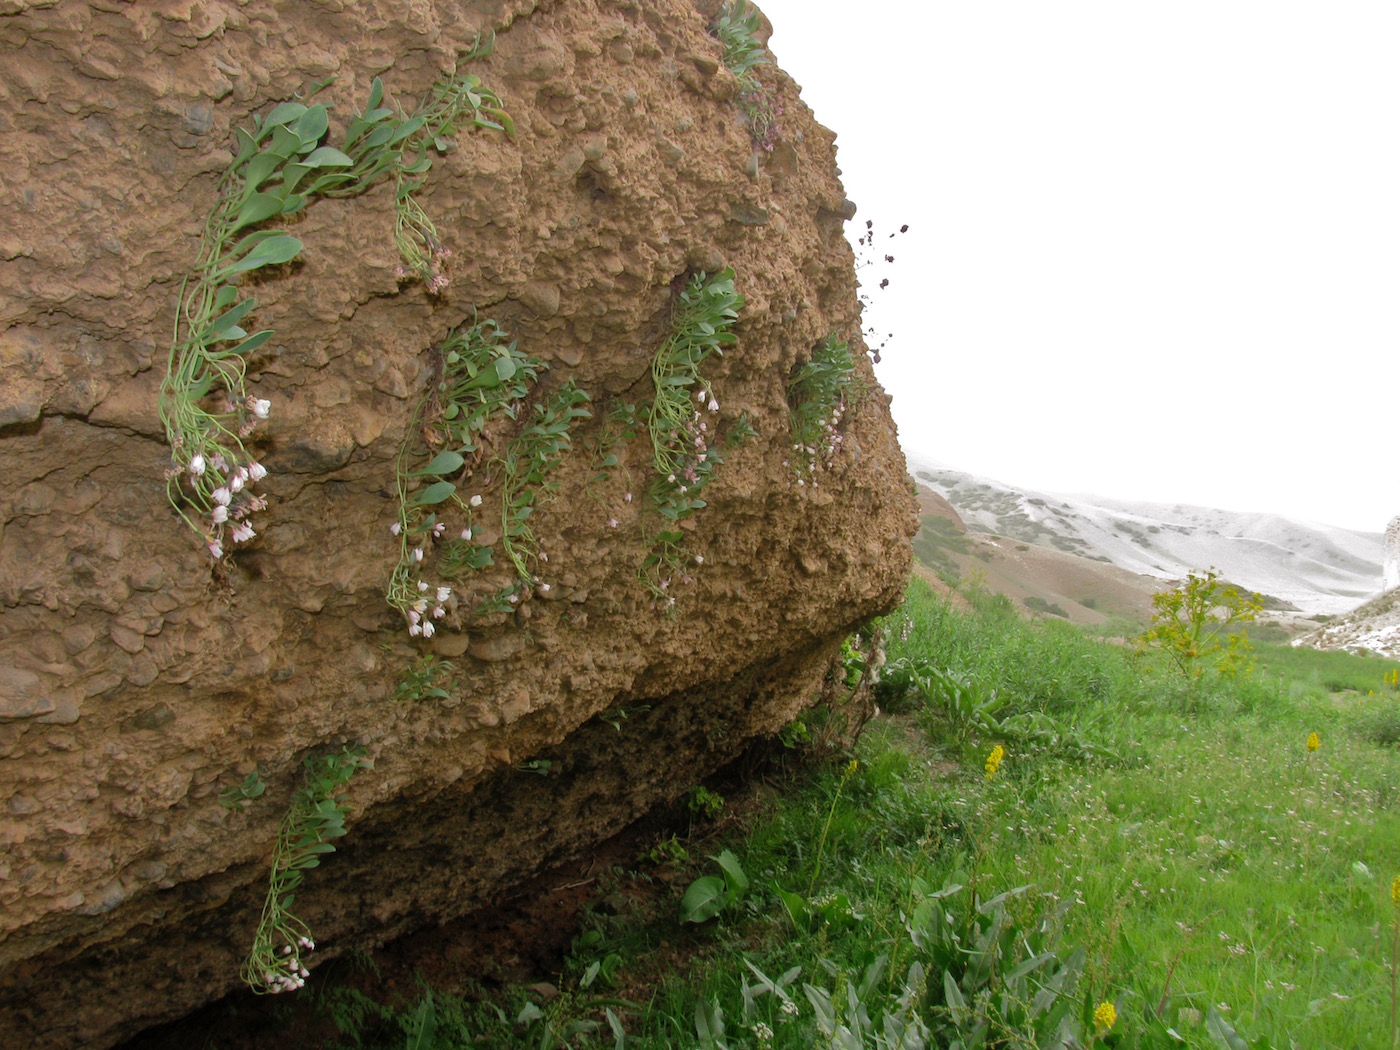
(1171, 849)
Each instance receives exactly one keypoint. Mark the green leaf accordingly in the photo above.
(283, 113)
(328, 157)
(443, 463)
(260, 167)
(734, 876)
(704, 899)
(252, 342)
(505, 369)
(1223, 1032)
(227, 320)
(376, 93)
(435, 493)
(312, 124)
(797, 908)
(423, 1029)
(226, 296)
(273, 251)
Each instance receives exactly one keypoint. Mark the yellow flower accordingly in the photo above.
(994, 760)
(1105, 1016)
(1314, 742)
(1395, 891)
(851, 767)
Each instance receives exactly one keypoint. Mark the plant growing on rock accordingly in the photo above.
(816, 404)
(478, 377)
(527, 462)
(684, 450)
(280, 167)
(316, 816)
(736, 27)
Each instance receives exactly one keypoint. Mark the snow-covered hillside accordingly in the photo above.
(1317, 568)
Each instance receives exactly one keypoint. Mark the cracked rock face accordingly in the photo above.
(137, 682)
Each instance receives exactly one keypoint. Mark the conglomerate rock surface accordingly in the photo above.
(138, 681)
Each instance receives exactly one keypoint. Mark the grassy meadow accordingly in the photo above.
(1146, 862)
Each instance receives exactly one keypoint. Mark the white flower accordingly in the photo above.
(235, 483)
(443, 593)
(243, 532)
(222, 495)
(513, 598)
(701, 395)
(260, 407)
(415, 629)
(439, 612)
(414, 616)
(422, 586)
(627, 497)
(257, 471)
(216, 549)
(417, 553)
(219, 514)
(466, 534)
(714, 405)
(612, 523)
(544, 588)
(197, 465)
(395, 528)
(428, 628)
(475, 501)
(439, 528)
(420, 606)
(699, 559)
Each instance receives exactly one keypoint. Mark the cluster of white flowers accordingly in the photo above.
(227, 489)
(821, 453)
(288, 974)
(430, 605)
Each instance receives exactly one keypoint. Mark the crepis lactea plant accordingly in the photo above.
(281, 166)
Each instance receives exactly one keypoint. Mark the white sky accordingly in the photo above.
(1154, 249)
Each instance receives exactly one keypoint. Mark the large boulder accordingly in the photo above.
(140, 679)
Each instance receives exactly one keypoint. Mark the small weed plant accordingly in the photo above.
(479, 378)
(283, 165)
(526, 465)
(315, 817)
(685, 449)
(736, 27)
(817, 401)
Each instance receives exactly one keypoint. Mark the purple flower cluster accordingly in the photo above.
(763, 113)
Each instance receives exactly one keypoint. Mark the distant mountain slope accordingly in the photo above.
(1316, 568)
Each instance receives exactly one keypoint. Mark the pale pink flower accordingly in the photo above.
(699, 559)
(395, 528)
(197, 464)
(475, 501)
(466, 534)
(428, 628)
(439, 612)
(544, 588)
(438, 529)
(235, 483)
(222, 495)
(612, 523)
(422, 586)
(414, 616)
(243, 532)
(257, 471)
(714, 405)
(219, 514)
(216, 549)
(260, 407)
(443, 593)
(417, 553)
(415, 629)
(627, 497)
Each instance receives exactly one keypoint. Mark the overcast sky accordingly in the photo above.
(1154, 249)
